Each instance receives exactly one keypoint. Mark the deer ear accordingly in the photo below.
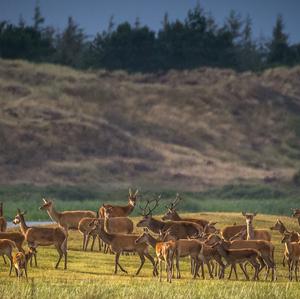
(244, 213)
(129, 191)
(255, 213)
(24, 213)
(45, 200)
(212, 223)
(136, 192)
(18, 211)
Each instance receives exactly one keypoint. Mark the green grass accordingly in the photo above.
(267, 199)
(90, 274)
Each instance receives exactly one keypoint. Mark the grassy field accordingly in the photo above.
(90, 274)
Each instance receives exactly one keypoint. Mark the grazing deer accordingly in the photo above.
(172, 214)
(255, 234)
(178, 229)
(67, 219)
(120, 243)
(265, 248)
(6, 248)
(164, 252)
(44, 236)
(279, 226)
(292, 252)
(121, 211)
(234, 256)
(296, 214)
(20, 261)
(3, 223)
(19, 219)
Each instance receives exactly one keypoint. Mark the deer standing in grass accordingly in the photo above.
(172, 214)
(121, 211)
(279, 226)
(292, 253)
(296, 214)
(20, 261)
(120, 243)
(44, 236)
(3, 223)
(234, 256)
(255, 234)
(265, 248)
(6, 248)
(67, 219)
(164, 252)
(178, 229)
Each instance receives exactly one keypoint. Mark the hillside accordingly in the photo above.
(188, 130)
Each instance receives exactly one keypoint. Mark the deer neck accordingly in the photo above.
(176, 217)
(53, 214)
(282, 229)
(152, 241)
(288, 247)
(298, 220)
(222, 251)
(128, 209)
(23, 225)
(106, 224)
(156, 225)
(250, 231)
(106, 237)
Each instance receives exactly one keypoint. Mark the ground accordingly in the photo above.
(90, 274)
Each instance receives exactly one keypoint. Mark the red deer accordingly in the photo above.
(20, 261)
(6, 248)
(121, 211)
(3, 223)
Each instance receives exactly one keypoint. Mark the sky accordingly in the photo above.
(93, 15)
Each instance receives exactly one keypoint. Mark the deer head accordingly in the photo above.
(286, 237)
(212, 239)
(47, 204)
(249, 217)
(147, 212)
(171, 209)
(277, 226)
(18, 217)
(132, 197)
(296, 213)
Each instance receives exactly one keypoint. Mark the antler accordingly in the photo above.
(175, 202)
(150, 210)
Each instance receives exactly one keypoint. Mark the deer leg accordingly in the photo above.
(209, 270)
(244, 271)
(160, 269)
(151, 259)
(234, 269)
(83, 242)
(87, 240)
(142, 263)
(99, 242)
(296, 270)
(11, 264)
(25, 270)
(60, 255)
(117, 262)
(4, 260)
(283, 261)
(177, 267)
(93, 242)
(35, 260)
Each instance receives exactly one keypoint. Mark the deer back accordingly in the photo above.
(230, 231)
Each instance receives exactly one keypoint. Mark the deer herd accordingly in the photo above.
(171, 238)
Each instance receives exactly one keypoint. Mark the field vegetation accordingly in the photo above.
(90, 274)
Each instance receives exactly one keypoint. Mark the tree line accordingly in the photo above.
(195, 42)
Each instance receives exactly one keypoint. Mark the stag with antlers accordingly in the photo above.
(172, 214)
(177, 229)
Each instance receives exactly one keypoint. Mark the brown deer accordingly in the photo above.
(121, 225)
(121, 211)
(279, 226)
(292, 252)
(120, 243)
(44, 236)
(231, 230)
(16, 237)
(6, 248)
(178, 229)
(296, 214)
(67, 219)
(234, 256)
(19, 218)
(164, 252)
(3, 223)
(255, 234)
(20, 261)
(265, 248)
(172, 214)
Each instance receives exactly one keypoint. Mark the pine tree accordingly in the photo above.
(38, 19)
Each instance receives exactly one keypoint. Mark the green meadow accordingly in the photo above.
(90, 274)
